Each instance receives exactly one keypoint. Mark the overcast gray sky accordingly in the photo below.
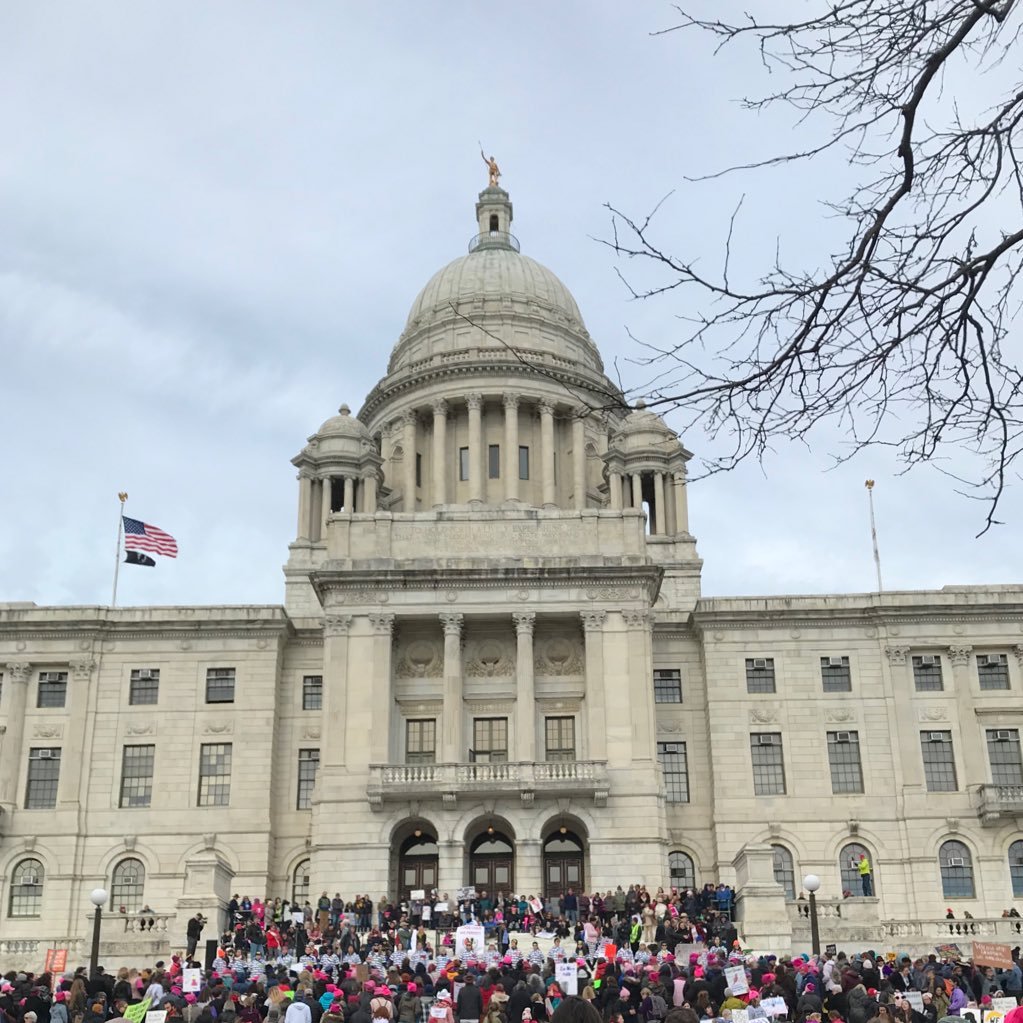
(214, 217)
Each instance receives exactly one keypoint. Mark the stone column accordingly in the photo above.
(637, 490)
(450, 868)
(71, 772)
(614, 484)
(452, 740)
(596, 723)
(660, 508)
(681, 504)
(15, 696)
(380, 694)
(475, 403)
(908, 767)
(525, 716)
(349, 494)
(409, 464)
(579, 460)
(510, 466)
(638, 624)
(325, 489)
(369, 492)
(974, 746)
(440, 438)
(546, 454)
(305, 493)
(335, 689)
(528, 867)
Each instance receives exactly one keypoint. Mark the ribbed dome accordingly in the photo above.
(497, 275)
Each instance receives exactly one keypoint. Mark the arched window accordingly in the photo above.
(126, 886)
(495, 224)
(849, 864)
(300, 883)
(1016, 868)
(784, 870)
(27, 889)
(681, 871)
(956, 871)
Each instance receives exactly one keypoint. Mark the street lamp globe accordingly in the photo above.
(811, 882)
(98, 897)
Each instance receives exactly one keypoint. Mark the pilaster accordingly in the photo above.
(510, 466)
(452, 730)
(525, 707)
(440, 435)
(381, 693)
(15, 696)
(596, 721)
(335, 689)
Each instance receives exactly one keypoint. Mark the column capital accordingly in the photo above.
(959, 655)
(593, 621)
(382, 623)
(452, 622)
(896, 654)
(524, 622)
(545, 407)
(336, 625)
(474, 401)
(1018, 651)
(637, 619)
(81, 670)
(439, 406)
(511, 401)
(409, 417)
(18, 671)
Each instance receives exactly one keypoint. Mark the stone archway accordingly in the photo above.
(563, 857)
(415, 859)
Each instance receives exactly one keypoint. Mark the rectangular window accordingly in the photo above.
(308, 764)
(52, 689)
(215, 774)
(844, 758)
(1004, 754)
(523, 463)
(137, 776)
(675, 769)
(927, 673)
(144, 686)
(420, 741)
(667, 685)
(43, 776)
(760, 675)
(494, 461)
(993, 671)
(835, 675)
(768, 763)
(490, 740)
(220, 685)
(312, 692)
(939, 761)
(463, 464)
(559, 735)
(419, 469)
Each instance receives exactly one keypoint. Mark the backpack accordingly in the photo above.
(658, 1007)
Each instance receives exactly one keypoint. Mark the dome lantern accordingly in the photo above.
(494, 217)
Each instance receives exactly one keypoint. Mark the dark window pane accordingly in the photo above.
(993, 671)
(52, 690)
(494, 461)
(144, 686)
(43, 778)
(681, 872)
(667, 685)
(939, 761)
(559, 734)
(137, 775)
(956, 866)
(312, 692)
(760, 675)
(26, 889)
(523, 463)
(220, 685)
(463, 464)
(308, 764)
(490, 739)
(835, 675)
(127, 885)
(784, 870)
(1004, 754)
(844, 758)
(675, 769)
(768, 764)
(420, 741)
(927, 673)
(215, 774)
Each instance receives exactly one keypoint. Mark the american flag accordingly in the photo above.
(144, 537)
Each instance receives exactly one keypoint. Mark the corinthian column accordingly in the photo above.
(510, 466)
(409, 463)
(475, 403)
(15, 695)
(452, 744)
(547, 453)
(579, 460)
(440, 436)
(383, 628)
(525, 707)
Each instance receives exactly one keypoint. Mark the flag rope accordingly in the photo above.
(122, 497)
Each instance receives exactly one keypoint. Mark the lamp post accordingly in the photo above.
(811, 883)
(98, 897)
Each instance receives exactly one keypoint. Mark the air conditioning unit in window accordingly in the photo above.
(955, 861)
(834, 662)
(50, 676)
(672, 747)
(759, 662)
(929, 659)
(766, 740)
(146, 674)
(938, 737)
(985, 661)
(843, 736)
(1003, 735)
(30, 879)
(45, 754)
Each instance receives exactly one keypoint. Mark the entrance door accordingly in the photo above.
(492, 864)
(562, 864)
(417, 865)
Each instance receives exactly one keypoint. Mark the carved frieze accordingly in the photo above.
(420, 658)
(559, 656)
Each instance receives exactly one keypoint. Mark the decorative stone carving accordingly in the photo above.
(1018, 651)
(511, 402)
(140, 728)
(29, 842)
(489, 658)
(559, 656)
(612, 593)
(593, 621)
(934, 712)
(528, 796)
(838, 715)
(219, 728)
(421, 658)
(959, 655)
(47, 731)
(952, 823)
(897, 654)
(854, 827)
(474, 402)
(439, 406)
(765, 715)
(637, 619)
(209, 840)
(452, 623)
(671, 725)
(524, 622)
(774, 829)
(336, 625)
(130, 842)
(18, 671)
(382, 624)
(310, 733)
(81, 671)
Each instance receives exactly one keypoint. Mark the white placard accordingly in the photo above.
(419, 894)
(191, 980)
(156, 1016)
(470, 941)
(438, 1012)
(774, 1006)
(567, 977)
(298, 917)
(915, 999)
(740, 1016)
(735, 978)
(1003, 1005)
(441, 907)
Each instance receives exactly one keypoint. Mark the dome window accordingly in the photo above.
(495, 223)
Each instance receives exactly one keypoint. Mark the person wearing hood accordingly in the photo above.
(862, 1004)
(58, 1010)
(809, 1001)
(957, 1002)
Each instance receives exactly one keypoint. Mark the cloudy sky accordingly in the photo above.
(214, 217)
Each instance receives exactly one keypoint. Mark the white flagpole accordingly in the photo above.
(869, 484)
(122, 497)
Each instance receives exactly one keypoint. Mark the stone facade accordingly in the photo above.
(494, 665)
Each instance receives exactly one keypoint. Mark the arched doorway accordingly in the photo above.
(564, 856)
(492, 862)
(417, 863)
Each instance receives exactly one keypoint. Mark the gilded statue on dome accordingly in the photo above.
(495, 171)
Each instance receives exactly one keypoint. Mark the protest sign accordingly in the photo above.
(418, 895)
(438, 1012)
(566, 974)
(831, 950)
(610, 953)
(56, 960)
(774, 1006)
(156, 1016)
(987, 953)
(441, 907)
(137, 1013)
(740, 1016)
(735, 978)
(950, 951)
(990, 1016)
(470, 941)
(461, 894)
(191, 980)
(1003, 1005)
(915, 999)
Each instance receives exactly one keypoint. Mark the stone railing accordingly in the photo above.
(951, 931)
(397, 782)
(995, 802)
(827, 909)
(13, 949)
(147, 923)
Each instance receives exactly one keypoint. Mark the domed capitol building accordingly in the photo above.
(493, 666)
